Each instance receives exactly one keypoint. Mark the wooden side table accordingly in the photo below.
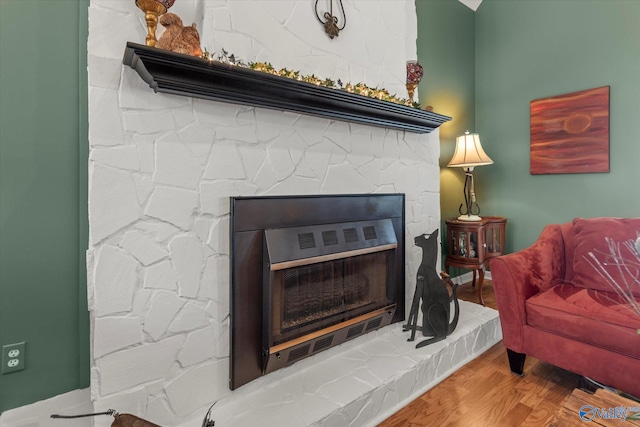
(471, 244)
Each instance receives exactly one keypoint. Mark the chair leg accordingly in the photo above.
(516, 362)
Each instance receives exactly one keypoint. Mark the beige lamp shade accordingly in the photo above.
(469, 152)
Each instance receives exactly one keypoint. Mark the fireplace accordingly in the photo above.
(309, 273)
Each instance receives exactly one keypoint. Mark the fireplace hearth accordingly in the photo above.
(309, 273)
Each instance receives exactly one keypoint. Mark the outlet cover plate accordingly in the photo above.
(13, 357)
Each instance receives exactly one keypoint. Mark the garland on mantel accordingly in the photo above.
(265, 67)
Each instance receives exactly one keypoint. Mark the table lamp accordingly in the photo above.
(469, 154)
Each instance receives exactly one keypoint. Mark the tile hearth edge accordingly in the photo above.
(361, 382)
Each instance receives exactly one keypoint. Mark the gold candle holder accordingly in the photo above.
(411, 89)
(152, 9)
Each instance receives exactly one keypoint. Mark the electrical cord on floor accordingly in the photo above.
(208, 422)
(109, 412)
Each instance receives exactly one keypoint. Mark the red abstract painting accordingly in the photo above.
(570, 133)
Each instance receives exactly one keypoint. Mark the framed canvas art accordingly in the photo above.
(570, 133)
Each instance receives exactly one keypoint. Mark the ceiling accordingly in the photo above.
(472, 4)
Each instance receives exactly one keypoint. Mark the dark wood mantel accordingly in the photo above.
(169, 72)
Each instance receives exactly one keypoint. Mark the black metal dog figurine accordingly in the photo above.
(436, 302)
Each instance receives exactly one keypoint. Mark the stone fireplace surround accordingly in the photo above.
(161, 171)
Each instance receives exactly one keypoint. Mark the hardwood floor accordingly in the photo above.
(484, 392)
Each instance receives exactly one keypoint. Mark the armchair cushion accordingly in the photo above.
(590, 237)
(577, 313)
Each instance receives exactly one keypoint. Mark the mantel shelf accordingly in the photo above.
(169, 72)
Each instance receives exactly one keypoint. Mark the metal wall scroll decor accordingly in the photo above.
(331, 21)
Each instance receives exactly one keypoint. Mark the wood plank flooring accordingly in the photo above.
(484, 392)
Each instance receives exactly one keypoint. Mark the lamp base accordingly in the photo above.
(469, 218)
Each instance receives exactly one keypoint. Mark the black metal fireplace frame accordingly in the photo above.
(250, 216)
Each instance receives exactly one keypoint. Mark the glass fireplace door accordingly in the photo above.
(315, 296)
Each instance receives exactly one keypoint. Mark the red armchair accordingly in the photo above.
(555, 307)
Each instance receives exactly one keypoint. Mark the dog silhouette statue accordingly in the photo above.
(436, 301)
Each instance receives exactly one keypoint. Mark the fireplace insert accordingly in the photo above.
(323, 285)
(309, 273)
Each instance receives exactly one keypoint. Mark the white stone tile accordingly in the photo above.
(222, 21)
(272, 124)
(106, 127)
(144, 187)
(104, 72)
(199, 140)
(224, 163)
(335, 419)
(343, 391)
(146, 152)
(159, 412)
(268, 30)
(265, 178)
(338, 154)
(215, 284)
(295, 144)
(253, 157)
(244, 134)
(219, 237)
(202, 226)
(221, 338)
(173, 205)
(198, 347)
(361, 150)
(303, 169)
(194, 388)
(284, 414)
(371, 171)
(115, 333)
(191, 317)
(118, 373)
(315, 407)
(161, 231)
(215, 113)
(115, 281)
(338, 175)
(148, 122)
(188, 258)
(104, 21)
(299, 185)
(113, 202)
(309, 127)
(176, 165)
(318, 157)
(214, 197)
(161, 276)
(164, 307)
(184, 116)
(281, 163)
(140, 303)
(144, 249)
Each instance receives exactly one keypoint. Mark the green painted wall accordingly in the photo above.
(446, 50)
(43, 208)
(530, 49)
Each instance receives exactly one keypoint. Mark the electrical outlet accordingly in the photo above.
(13, 357)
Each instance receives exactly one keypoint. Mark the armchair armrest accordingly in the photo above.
(518, 276)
